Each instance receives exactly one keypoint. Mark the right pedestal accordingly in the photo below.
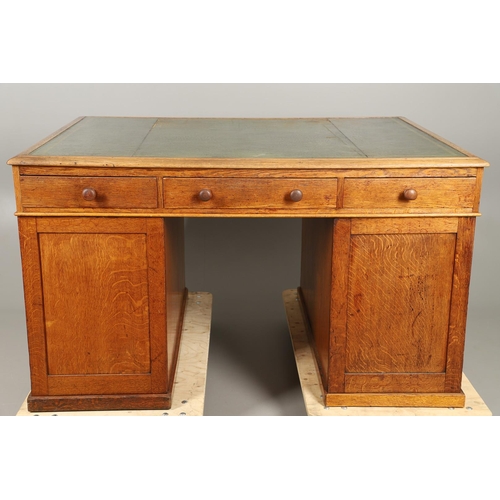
(386, 302)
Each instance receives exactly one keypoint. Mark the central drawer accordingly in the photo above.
(46, 191)
(206, 193)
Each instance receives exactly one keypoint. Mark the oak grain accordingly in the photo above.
(234, 193)
(398, 302)
(433, 194)
(99, 325)
(81, 273)
(339, 304)
(46, 191)
(316, 283)
(416, 400)
(34, 304)
(459, 303)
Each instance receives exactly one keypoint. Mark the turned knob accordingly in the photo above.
(205, 195)
(410, 194)
(89, 194)
(296, 195)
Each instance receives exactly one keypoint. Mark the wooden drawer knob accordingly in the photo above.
(296, 195)
(410, 194)
(205, 195)
(89, 194)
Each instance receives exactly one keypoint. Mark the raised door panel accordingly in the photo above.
(399, 302)
(96, 303)
(96, 307)
(402, 279)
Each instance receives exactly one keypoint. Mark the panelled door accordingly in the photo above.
(399, 301)
(95, 300)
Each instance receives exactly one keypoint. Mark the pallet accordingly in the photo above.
(312, 387)
(188, 394)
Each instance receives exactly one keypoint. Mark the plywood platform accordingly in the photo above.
(312, 389)
(188, 396)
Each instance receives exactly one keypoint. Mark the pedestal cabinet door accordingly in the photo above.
(96, 305)
(402, 286)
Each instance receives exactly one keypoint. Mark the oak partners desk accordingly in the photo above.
(388, 225)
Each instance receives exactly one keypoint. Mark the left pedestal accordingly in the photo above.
(105, 299)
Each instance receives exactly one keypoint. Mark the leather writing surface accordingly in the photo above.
(391, 138)
(245, 138)
(99, 136)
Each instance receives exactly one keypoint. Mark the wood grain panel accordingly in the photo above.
(62, 385)
(459, 303)
(91, 225)
(247, 163)
(339, 304)
(395, 382)
(433, 194)
(96, 303)
(33, 300)
(17, 188)
(418, 225)
(176, 291)
(45, 191)
(157, 304)
(249, 193)
(340, 192)
(315, 284)
(96, 402)
(415, 400)
(299, 172)
(477, 195)
(399, 302)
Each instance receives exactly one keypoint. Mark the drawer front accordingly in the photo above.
(44, 191)
(232, 193)
(407, 194)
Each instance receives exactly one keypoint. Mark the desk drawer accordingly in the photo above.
(406, 194)
(231, 193)
(46, 191)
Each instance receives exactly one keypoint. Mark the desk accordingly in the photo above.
(388, 215)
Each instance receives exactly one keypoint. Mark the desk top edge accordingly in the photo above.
(351, 155)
